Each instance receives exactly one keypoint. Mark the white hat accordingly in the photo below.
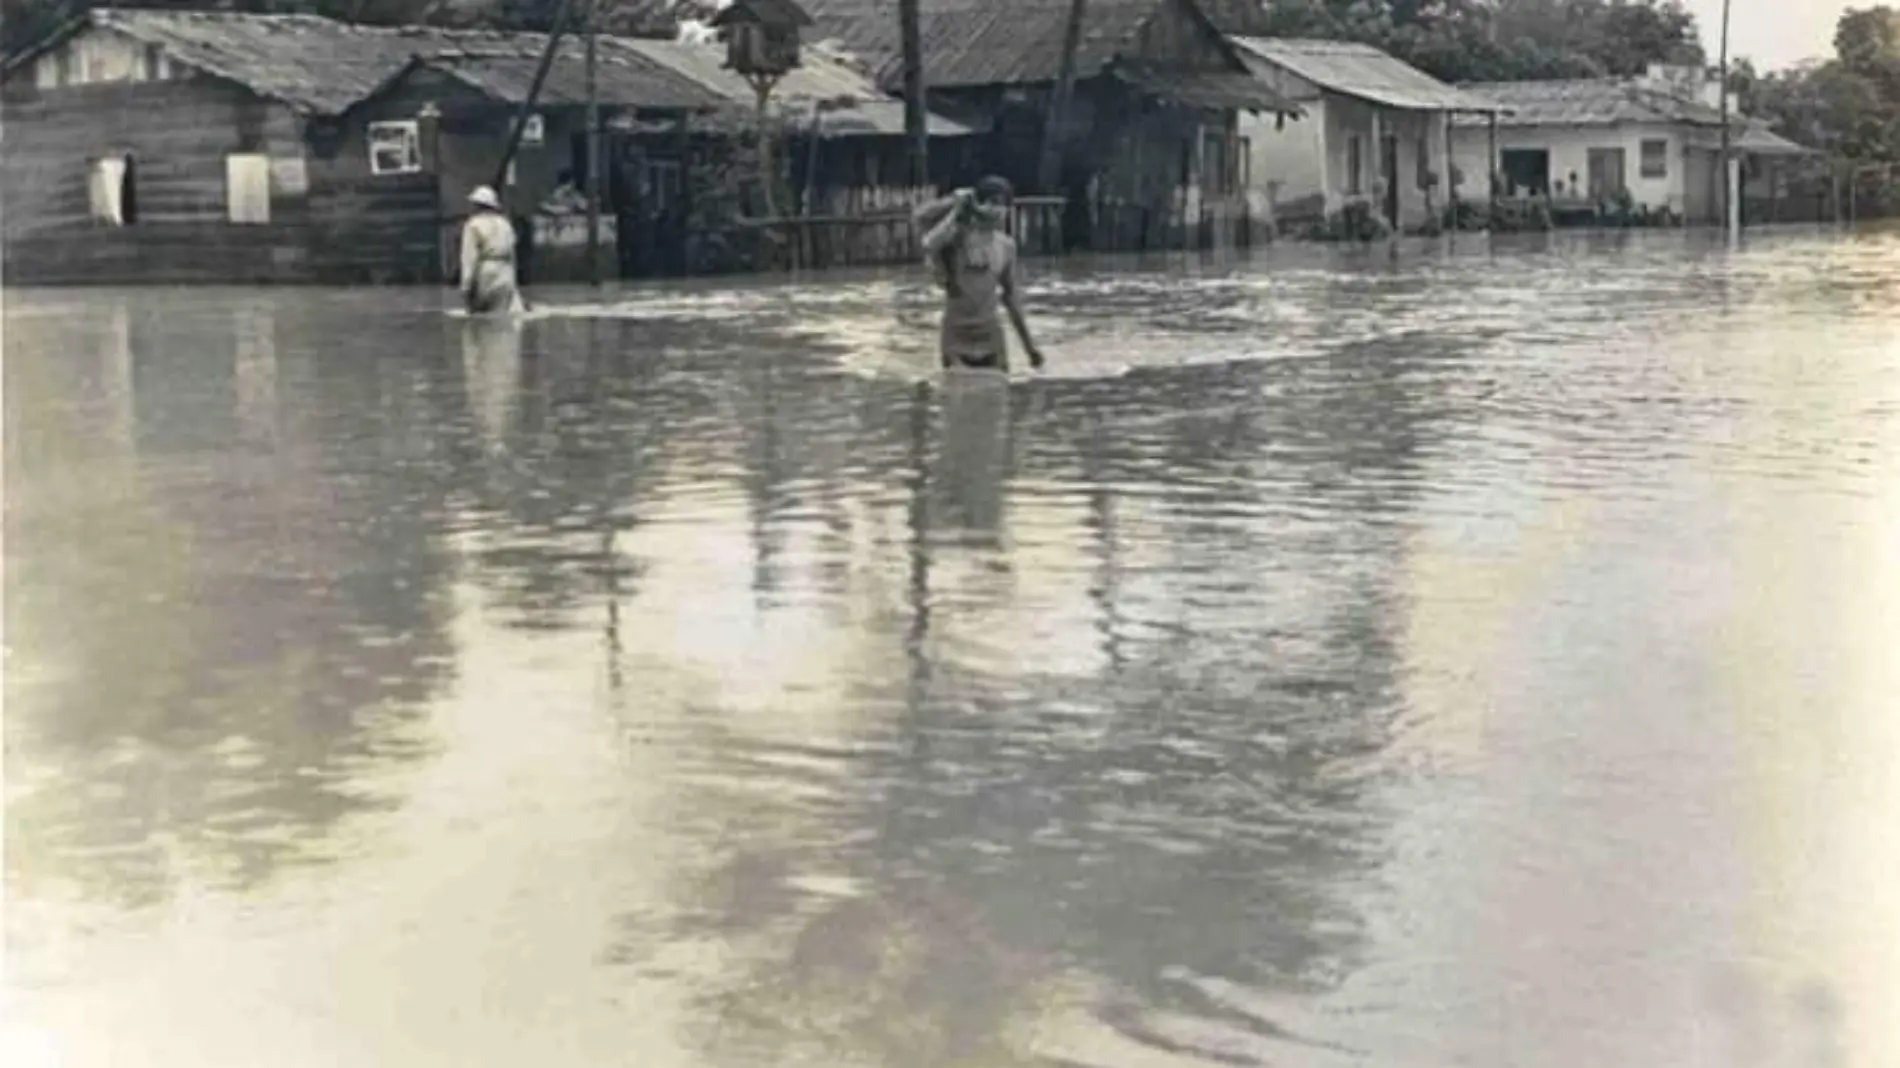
(484, 197)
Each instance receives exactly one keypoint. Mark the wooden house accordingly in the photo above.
(146, 145)
(459, 105)
(1151, 153)
(670, 111)
(1378, 132)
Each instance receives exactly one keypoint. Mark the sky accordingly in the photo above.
(1773, 33)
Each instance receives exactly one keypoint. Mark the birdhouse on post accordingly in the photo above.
(762, 44)
(761, 36)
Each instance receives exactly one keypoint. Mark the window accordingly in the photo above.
(247, 188)
(110, 191)
(395, 147)
(155, 68)
(1243, 163)
(1355, 165)
(534, 131)
(1655, 159)
(1424, 178)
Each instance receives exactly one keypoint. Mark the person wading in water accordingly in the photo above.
(975, 258)
(488, 276)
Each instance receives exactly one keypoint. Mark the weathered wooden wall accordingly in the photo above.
(178, 134)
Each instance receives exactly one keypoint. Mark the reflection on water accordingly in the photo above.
(1469, 656)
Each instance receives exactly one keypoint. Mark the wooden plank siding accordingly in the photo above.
(177, 133)
(341, 226)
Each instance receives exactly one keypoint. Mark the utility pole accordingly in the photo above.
(916, 131)
(1055, 123)
(593, 143)
(1731, 211)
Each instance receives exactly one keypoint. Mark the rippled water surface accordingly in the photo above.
(1476, 656)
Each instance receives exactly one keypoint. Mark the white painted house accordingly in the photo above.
(1368, 118)
(1580, 142)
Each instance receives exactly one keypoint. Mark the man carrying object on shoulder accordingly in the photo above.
(975, 258)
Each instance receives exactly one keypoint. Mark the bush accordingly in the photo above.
(1467, 216)
(1355, 221)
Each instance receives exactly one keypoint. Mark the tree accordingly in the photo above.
(1848, 106)
(1486, 40)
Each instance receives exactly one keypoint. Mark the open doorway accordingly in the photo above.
(112, 190)
(1525, 171)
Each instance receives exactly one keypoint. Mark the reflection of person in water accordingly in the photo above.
(492, 370)
(975, 454)
(965, 239)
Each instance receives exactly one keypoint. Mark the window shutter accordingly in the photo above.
(247, 187)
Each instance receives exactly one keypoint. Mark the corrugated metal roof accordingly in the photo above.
(819, 78)
(1609, 102)
(779, 12)
(1752, 137)
(675, 75)
(623, 77)
(1362, 71)
(1206, 89)
(311, 63)
(1591, 102)
(982, 42)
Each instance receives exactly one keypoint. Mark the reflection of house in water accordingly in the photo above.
(1164, 846)
(241, 631)
(256, 374)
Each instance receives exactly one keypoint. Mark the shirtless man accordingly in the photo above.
(975, 259)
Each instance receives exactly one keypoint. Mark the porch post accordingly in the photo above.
(1491, 161)
(1194, 202)
(1451, 164)
(1325, 159)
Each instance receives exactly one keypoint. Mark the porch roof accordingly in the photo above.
(1754, 139)
(1361, 71)
(1206, 89)
(1591, 102)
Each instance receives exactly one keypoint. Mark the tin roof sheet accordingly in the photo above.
(1362, 71)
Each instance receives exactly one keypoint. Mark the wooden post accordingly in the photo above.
(1450, 168)
(1731, 212)
(593, 145)
(1055, 121)
(768, 173)
(1491, 179)
(534, 94)
(916, 128)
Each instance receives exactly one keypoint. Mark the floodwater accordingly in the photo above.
(1463, 656)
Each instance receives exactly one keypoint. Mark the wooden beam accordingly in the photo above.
(534, 94)
(594, 167)
(916, 126)
(1056, 121)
